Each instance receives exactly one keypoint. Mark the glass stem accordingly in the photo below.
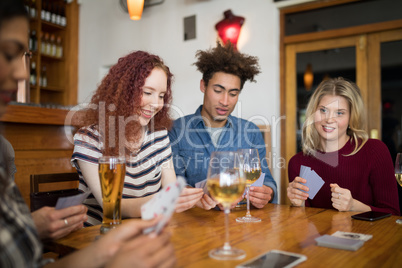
(248, 214)
(226, 246)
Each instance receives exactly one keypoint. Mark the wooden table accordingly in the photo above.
(293, 229)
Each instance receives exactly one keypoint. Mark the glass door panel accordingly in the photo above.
(391, 93)
(391, 99)
(315, 66)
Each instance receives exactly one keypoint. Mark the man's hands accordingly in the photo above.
(51, 223)
(206, 202)
(260, 196)
(188, 198)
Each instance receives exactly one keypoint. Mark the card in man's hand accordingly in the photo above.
(314, 181)
(202, 185)
(69, 201)
(164, 203)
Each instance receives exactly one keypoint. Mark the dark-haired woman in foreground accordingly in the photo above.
(20, 245)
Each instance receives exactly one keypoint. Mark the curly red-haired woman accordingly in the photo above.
(129, 115)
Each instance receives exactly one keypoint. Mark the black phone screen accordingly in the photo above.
(371, 215)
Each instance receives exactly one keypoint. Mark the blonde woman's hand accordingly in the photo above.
(296, 196)
(341, 198)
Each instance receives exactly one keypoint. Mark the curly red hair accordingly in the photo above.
(119, 97)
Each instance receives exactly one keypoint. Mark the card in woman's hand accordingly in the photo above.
(314, 181)
(163, 203)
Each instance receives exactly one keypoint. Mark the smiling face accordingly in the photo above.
(13, 44)
(331, 121)
(153, 91)
(220, 98)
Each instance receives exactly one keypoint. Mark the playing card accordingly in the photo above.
(314, 181)
(202, 185)
(164, 203)
(260, 181)
(69, 201)
(363, 237)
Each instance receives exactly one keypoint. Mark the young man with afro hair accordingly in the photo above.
(212, 127)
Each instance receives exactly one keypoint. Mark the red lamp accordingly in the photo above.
(229, 28)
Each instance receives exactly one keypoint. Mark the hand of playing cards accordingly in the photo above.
(314, 181)
(163, 203)
(69, 201)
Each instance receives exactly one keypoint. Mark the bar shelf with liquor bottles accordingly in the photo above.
(53, 43)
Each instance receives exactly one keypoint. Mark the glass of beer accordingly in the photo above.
(252, 171)
(112, 170)
(226, 184)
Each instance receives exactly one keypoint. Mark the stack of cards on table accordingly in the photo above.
(343, 240)
(314, 181)
(163, 203)
(69, 201)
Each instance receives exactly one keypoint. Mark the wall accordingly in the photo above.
(107, 33)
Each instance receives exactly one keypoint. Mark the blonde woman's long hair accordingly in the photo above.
(357, 121)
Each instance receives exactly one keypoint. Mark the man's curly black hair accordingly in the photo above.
(226, 59)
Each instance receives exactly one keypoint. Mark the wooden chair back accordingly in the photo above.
(47, 188)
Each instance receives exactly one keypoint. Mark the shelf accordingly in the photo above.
(47, 57)
(48, 26)
(52, 88)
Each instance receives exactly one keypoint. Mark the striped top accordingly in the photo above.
(143, 171)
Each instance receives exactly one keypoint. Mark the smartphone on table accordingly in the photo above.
(371, 216)
(274, 259)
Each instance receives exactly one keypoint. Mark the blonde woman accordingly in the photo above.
(357, 171)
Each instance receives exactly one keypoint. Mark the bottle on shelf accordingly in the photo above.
(59, 48)
(42, 43)
(43, 77)
(48, 50)
(33, 41)
(30, 42)
(27, 6)
(32, 9)
(47, 12)
(32, 76)
(53, 50)
(63, 16)
(53, 12)
(43, 11)
(58, 11)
